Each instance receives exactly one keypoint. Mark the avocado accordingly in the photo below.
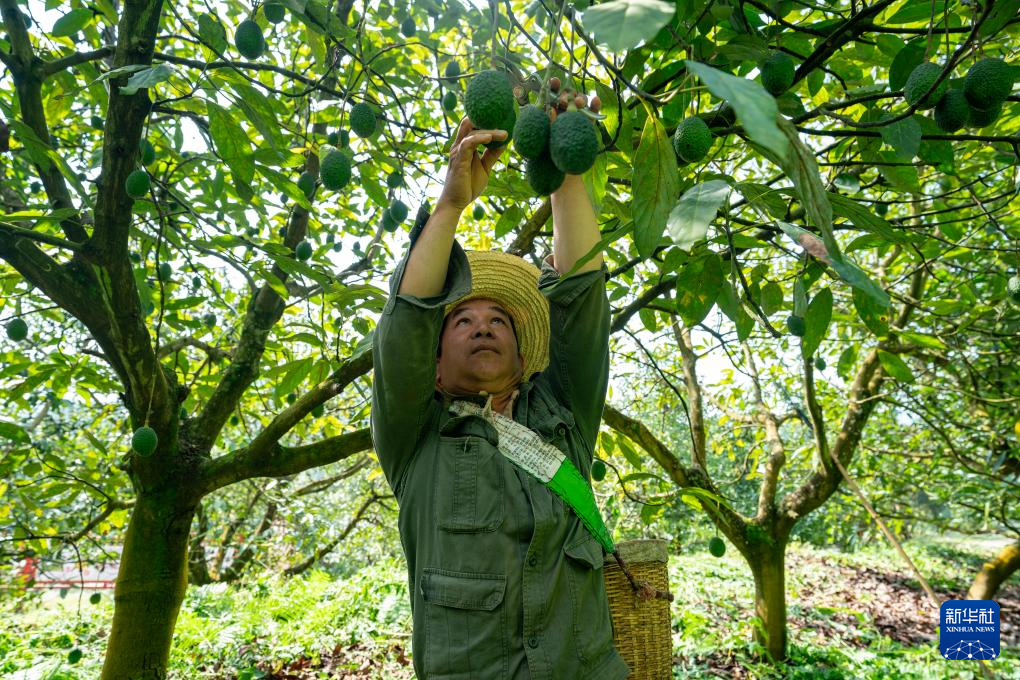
(573, 142)
(335, 170)
(952, 112)
(394, 179)
(777, 73)
(303, 251)
(363, 120)
(716, 547)
(275, 12)
(488, 99)
(920, 80)
(531, 132)
(398, 211)
(144, 440)
(542, 174)
(137, 184)
(17, 329)
(306, 183)
(248, 39)
(987, 83)
(796, 325)
(692, 139)
(449, 100)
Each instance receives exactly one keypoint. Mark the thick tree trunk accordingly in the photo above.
(198, 566)
(994, 572)
(769, 570)
(150, 588)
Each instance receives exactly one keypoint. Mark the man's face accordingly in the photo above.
(478, 349)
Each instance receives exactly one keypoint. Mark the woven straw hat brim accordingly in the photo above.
(513, 282)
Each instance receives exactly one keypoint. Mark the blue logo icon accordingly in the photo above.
(969, 630)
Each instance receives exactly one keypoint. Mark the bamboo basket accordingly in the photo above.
(641, 628)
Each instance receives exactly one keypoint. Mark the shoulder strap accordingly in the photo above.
(525, 449)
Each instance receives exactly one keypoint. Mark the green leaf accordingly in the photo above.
(904, 136)
(509, 220)
(14, 432)
(929, 341)
(874, 316)
(71, 23)
(231, 142)
(690, 217)
(847, 359)
(865, 219)
(855, 276)
(295, 374)
(730, 304)
(913, 11)
(816, 321)
(211, 32)
(654, 187)
(896, 367)
(280, 181)
(763, 198)
(755, 107)
(999, 16)
(771, 298)
(648, 319)
(801, 167)
(903, 63)
(147, 78)
(623, 24)
(697, 287)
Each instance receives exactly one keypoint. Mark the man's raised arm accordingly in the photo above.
(466, 177)
(575, 230)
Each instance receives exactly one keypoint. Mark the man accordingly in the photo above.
(472, 350)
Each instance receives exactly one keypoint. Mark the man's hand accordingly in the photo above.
(468, 173)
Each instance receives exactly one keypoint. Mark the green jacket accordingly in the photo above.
(505, 581)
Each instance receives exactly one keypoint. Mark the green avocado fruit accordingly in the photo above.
(598, 470)
(796, 325)
(531, 131)
(17, 329)
(306, 183)
(335, 170)
(275, 12)
(143, 441)
(449, 100)
(987, 83)
(137, 184)
(777, 73)
(248, 40)
(716, 547)
(542, 174)
(692, 139)
(478, 212)
(573, 143)
(489, 99)
(398, 211)
(363, 121)
(952, 112)
(921, 78)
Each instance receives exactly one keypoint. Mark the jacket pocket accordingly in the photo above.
(465, 625)
(469, 485)
(592, 627)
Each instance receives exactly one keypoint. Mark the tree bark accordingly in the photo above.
(150, 588)
(769, 570)
(198, 566)
(995, 572)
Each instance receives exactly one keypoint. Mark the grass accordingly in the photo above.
(322, 626)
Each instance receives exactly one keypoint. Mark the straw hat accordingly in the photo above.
(513, 283)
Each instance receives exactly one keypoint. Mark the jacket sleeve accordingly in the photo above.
(404, 364)
(578, 371)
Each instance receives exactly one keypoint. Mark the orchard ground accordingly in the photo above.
(852, 615)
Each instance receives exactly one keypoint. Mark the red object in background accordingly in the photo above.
(29, 570)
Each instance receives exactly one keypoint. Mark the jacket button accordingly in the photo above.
(533, 642)
(533, 560)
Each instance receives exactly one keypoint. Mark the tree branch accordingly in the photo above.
(280, 461)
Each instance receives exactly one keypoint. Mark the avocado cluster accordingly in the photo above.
(977, 102)
(555, 138)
